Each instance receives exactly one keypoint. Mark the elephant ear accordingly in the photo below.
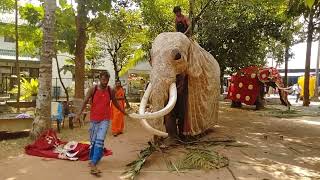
(195, 57)
(203, 91)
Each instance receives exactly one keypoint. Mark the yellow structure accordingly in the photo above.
(312, 85)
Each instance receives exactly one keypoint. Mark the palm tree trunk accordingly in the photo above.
(42, 119)
(306, 100)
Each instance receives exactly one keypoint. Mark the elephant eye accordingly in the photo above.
(176, 54)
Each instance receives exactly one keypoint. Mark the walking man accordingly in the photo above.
(100, 114)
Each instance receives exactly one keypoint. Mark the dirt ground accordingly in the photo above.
(277, 148)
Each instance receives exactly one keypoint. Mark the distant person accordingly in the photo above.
(100, 114)
(297, 91)
(182, 23)
(117, 119)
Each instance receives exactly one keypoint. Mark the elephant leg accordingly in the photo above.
(236, 104)
(181, 104)
(258, 105)
(260, 102)
(171, 124)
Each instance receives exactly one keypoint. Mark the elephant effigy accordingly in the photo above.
(186, 78)
(247, 86)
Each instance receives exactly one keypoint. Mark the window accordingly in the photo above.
(9, 39)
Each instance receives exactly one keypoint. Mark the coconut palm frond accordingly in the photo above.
(136, 165)
(202, 159)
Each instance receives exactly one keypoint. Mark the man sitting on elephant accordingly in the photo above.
(182, 23)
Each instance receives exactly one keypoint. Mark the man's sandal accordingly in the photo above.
(95, 171)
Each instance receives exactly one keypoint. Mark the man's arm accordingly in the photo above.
(86, 100)
(188, 23)
(115, 102)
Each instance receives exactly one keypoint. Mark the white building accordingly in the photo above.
(296, 65)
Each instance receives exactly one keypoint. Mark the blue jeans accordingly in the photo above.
(98, 131)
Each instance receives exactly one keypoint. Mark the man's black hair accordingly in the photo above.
(176, 9)
(106, 74)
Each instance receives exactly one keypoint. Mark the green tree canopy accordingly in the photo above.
(242, 33)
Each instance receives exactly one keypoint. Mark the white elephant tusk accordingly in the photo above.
(166, 110)
(161, 113)
(281, 88)
(288, 90)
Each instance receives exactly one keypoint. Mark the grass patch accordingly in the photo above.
(286, 113)
(13, 147)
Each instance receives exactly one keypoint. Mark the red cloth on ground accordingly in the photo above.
(46, 144)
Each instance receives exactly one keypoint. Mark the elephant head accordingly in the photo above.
(272, 77)
(173, 53)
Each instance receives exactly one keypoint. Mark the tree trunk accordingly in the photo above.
(316, 95)
(286, 59)
(191, 15)
(42, 119)
(115, 65)
(17, 55)
(81, 42)
(306, 100)
(221, 80)
(60, 79)
(116, 77)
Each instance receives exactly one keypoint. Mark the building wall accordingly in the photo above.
(67, 78)
(6, 45)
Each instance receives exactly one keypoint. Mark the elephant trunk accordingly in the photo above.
(284, 95)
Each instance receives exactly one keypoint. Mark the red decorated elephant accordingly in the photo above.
(248, 84)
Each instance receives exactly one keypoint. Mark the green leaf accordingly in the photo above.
(309, 3)
(29, 88)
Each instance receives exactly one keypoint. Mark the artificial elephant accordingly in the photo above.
(248, 86)
(176, 58)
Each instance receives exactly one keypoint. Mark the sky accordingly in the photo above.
(299, 59)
